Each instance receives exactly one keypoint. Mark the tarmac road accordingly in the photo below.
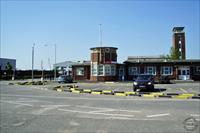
(25, 109)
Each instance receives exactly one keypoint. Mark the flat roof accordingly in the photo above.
(84, 63)
(163, 61)
(178, 29)
(103, 48)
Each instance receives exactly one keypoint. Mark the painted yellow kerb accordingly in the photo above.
(59, 90)
(87, 90)
(106, 91)
(96, 93)
(157, 94)
(120, 94)
(130, 92)
(148, 96)
(75, 91)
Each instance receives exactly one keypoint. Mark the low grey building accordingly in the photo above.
(4, 62)
(65, 68)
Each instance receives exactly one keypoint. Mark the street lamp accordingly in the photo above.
(55, 60)
(33, 59)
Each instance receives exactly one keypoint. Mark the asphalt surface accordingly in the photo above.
(34, 109)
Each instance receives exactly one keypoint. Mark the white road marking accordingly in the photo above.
(28, 101)
(47, 108)
(55, 105)
(157, 115)
(99, 111)
(195, 115)
(13, 102)
(131, 111)
(83, 112)
(183, 90)
(120, 118)
(19, 124)
(73, 123)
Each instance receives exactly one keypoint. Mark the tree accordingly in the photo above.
(8, 67)
(174, 54)
(166, 57)
(9, 70)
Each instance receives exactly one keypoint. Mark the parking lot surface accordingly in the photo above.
(35, 109)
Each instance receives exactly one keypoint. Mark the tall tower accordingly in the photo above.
(179, 41)
(103, 63)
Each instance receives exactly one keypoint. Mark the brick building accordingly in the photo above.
(81, 71)
(175, 69)
(103, 63)
(104, 67)
(178, 41)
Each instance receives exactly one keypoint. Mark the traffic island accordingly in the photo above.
(153, 95)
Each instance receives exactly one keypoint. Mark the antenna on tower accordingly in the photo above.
(100, 35)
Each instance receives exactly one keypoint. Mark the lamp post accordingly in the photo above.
(33, 60)
(55, 60)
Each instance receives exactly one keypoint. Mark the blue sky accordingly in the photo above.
(137, 28)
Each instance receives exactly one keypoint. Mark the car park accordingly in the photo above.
(143, 81)
(65, 79)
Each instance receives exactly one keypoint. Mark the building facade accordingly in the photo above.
(65, 68)
(103, 63)
(174, 69)
(81, 71)
(128, 71)
(178, 41)
(104, 67)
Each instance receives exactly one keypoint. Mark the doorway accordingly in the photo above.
(184, 73)
(121, 74)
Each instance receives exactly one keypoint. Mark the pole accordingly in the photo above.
(32, 60)
(42, 78)
(100, 35)
(100, 58)
(55, 61)
(55, 65)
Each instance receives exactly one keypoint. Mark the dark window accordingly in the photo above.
(179, 72)
(183, 72)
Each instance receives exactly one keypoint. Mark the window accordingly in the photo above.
(100, 70)
(180, 37)
(80, 71)
(94, 69)
(113, 70)
(133, 71)
(166, 70)
(198, 69)
(151, 70)
(188, 72)
(107, 70)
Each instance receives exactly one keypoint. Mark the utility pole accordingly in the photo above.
(100, 41)
(100, 58)
(55, 46)
(100, 35)
(55, 64)
(33, 60)
(42, 78)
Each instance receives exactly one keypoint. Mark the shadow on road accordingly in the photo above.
(155, 90)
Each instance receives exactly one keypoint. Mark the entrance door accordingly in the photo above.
(184, 73)
(121, 73)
